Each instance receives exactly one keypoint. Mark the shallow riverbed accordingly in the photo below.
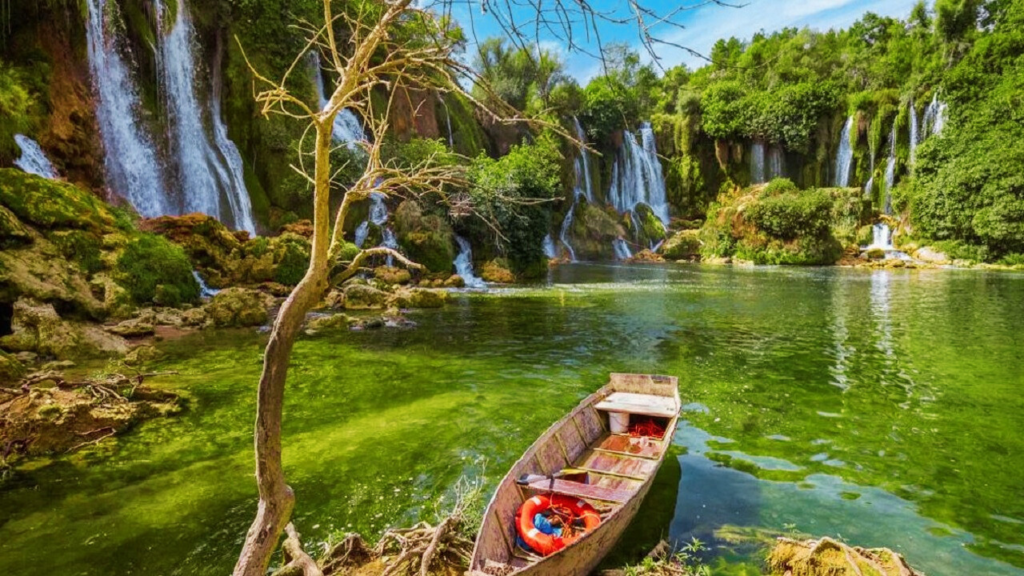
(881, 406)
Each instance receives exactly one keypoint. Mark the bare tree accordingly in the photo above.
(373, 57)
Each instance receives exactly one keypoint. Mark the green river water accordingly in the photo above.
(884, 407)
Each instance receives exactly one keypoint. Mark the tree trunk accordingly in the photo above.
(276, 498)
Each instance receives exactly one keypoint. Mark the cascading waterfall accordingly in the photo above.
(347, 128)
(209, 170)
(890, 170)
(775, 162)
(464, 265)
(130, 157)
(934, 117)
(915, 136)
(582, 189)
(757, 162)
(622, 251)
(33, 160)
(378, 217)
(881, 239)
(844, 156)
(550, 250)
(637, 177)
(204, 290)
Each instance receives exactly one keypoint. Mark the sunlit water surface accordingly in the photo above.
(883, 407)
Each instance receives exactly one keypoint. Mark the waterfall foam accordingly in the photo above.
(464, 265)
(209, 169)
(550, 250)
(881, 239)
(934, 117)
(130, 159)
(844, 156)
(33, 160)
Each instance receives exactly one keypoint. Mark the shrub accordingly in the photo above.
(789, 216)
(152, 265)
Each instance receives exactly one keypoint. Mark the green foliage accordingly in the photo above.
(425, 235)
(621, 98)
(792, 215)
(153, 269)
(523, 79)
(80, 247)
(16, 111)
(292, 261)
(50, 204)
(507, 192)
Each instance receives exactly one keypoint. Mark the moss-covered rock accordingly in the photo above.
(593, 230)
(10, 368)
(426, 238)
(418, 298)
(683, 245)
(497, 271)
(52, 204)
(364, 297)
(154, 270)
(36, 327)
(649, 228)
(327, 322)
(392, 275)
(239, 308)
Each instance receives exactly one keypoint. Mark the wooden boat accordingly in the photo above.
(620, 470)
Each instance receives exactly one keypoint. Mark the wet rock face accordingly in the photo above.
(238, 308)
(36, 327)
(684, 245)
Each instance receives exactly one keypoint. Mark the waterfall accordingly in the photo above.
(890, 170)
(934, 117)
(377, 217)
(347, 128)
(775, 162)
(756, 162)
(464, 265)
(204, 290)
(915, 136)
(621, 249)
(881, 239)
(637, 177)
(33, 160)
(550, 250)
(130, 158)
(582, 189)
(844, 156)
(448, 120)
(209, 169)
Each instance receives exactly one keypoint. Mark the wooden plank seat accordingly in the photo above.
(580, 490)
(643, 404)
(639, 447)
(619, 465)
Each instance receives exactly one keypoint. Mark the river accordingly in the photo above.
(881, 406)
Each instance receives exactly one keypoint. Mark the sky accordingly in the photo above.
(704, 23)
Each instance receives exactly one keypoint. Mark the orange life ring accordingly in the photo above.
(547, 544)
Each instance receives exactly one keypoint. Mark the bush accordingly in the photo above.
(789, 216)
(291, 262)
(151, 268)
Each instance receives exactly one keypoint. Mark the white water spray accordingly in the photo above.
(464, 265)
(621, 249)
(844, 156)
(583, 189)
(637, 177)
(33, 160)
(130, 158)
(347, 128)
(550, 250)
(890, 170)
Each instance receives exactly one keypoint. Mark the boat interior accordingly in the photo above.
(602, 453)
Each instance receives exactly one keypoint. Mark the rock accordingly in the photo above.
(142, 354)
(497, 271)
(169, 317)
(58, 365)
(875, 254)
(327, 322)
(37, 327)
(52, 204)
(593, 230)
(645, 257)
(239, 307)
(931, 256)
(895, 263)
(117, 301)
(684, 245)
(97, 341)
(426, 238)
(335, 299)
(717, 261)
(828, 556)
(363, 297)
(392, 275)
(26, 357)
(276, 289)
(418, 298)
(454, 281)
(134, 328)
(194, 317)
(11, 369)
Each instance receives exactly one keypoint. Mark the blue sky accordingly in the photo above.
(704, 24)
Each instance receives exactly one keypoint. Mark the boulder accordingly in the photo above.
(363, 297)
(683, 245)
(134, 328)
(392, 275)
(497, 271)
(418, 298)
(645, 257)
(931, 256)
(326, 322)
(142, 354)
(426, 238)
(875, 254)
(36, 327)
(51, 204)
(239, 307)
(454, 281)
(194, 317)
(335, 299)
(593, 230)
(11, 370)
